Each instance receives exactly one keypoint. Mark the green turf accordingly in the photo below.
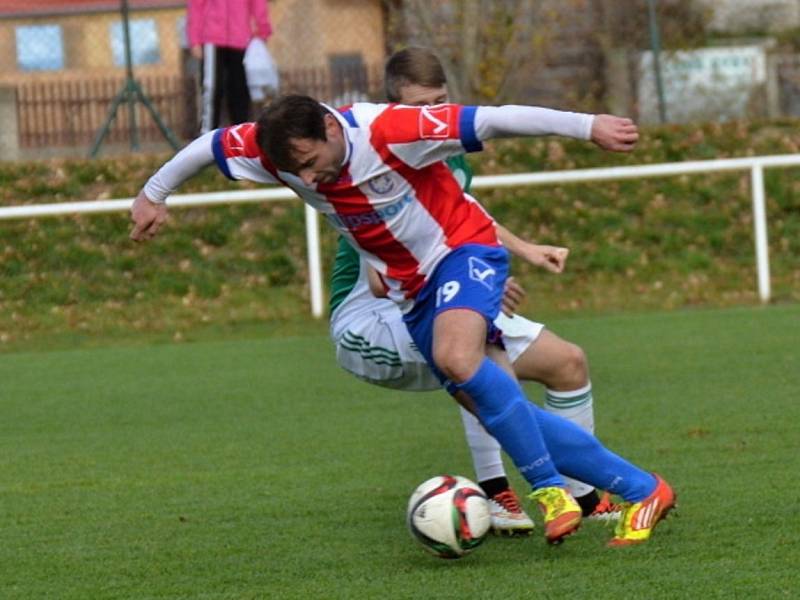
(257, 469)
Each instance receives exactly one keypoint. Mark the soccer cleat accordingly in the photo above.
(638, 519)
(507, 515)
(606, 510)
(561, 513)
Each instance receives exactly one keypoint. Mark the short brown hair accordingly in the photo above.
(286, 118)
(413, 65)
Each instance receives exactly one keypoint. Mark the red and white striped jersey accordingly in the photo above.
(395, 199)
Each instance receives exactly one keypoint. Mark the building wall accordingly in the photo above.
(752, 15)
(330, 49)
(306, 34)
(88, 47)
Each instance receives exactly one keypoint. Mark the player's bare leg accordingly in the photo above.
(554, 362)
(459, 339)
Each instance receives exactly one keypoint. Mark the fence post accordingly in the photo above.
(314, 262)
(760, 231)
(9, 128)
(773, 86)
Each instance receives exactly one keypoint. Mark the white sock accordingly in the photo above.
(576, 406)
(484, 448)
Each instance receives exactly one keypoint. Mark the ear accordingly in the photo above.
(332, 127)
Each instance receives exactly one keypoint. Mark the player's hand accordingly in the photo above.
(513, 295)
(376, 285)
(147, 217)
(550, 258)
(196, 52)
(617, 134)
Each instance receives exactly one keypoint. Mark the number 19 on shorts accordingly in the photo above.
(447, 292)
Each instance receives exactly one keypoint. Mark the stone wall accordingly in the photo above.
(743, 16)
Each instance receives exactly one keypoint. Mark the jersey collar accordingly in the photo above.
(346, 131)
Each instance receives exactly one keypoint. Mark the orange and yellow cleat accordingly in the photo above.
(640, 518)
(562, 515)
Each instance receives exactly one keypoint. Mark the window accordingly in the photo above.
(40, 48)
(180, 29)
(144, 42)
(349, 80)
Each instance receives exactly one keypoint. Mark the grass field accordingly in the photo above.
(258, 469)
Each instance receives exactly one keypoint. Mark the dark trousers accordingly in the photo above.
(223, 75)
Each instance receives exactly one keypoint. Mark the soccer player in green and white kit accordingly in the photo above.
(372, 341)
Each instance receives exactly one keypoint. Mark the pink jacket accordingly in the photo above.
(227, 23)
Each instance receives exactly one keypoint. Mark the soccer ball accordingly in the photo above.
(448, 515)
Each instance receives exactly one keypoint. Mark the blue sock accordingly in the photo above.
(503, 410)
(578, 454)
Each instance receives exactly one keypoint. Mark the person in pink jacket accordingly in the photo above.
(219, 32)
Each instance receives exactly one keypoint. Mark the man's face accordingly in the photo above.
(419, 95)
(320, 161)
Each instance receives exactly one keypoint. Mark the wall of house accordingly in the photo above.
(732, 16)
(63, 82)
(87, 45)
(307, 33)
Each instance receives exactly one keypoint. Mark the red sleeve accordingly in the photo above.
(232, 144)
(403, 124)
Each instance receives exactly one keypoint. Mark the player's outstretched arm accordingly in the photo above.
(550, 258)
(607, 131)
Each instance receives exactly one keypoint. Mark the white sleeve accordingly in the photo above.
(184, 165)
(513, 120)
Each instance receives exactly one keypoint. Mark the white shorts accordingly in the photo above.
(376, 346)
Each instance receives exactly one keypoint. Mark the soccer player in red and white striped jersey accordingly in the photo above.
(375, 172)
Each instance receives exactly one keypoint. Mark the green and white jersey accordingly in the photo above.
(345, 273)
(347, 269)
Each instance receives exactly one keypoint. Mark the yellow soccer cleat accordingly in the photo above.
(640, 518)
(562, 515)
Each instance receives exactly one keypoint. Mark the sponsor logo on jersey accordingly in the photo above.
(434, 123)
(372, 217)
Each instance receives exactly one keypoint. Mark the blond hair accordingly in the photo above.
(413, 65)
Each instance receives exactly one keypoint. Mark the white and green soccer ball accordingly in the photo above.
(448, 515)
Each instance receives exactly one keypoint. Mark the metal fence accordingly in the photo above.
(755, 165)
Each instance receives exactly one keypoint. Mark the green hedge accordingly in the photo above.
(655, 243)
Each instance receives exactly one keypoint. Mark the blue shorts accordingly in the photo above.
(471, 277)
